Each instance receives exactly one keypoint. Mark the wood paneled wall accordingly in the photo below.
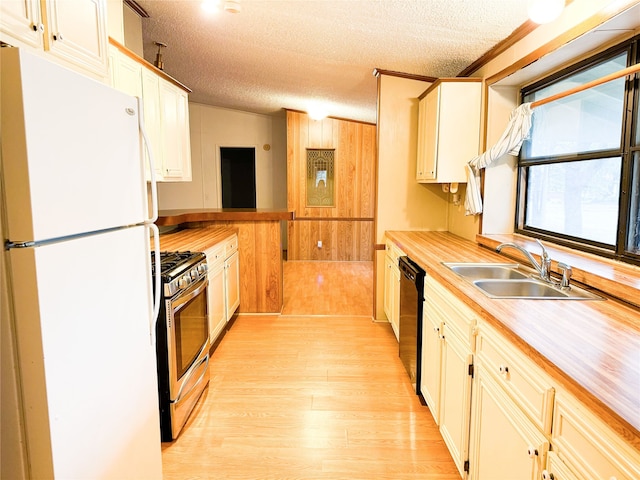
(346, 229)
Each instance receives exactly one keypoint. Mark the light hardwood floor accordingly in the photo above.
(301, 396)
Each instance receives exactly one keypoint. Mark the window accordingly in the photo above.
(579, 171)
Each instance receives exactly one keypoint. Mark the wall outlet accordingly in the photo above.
(319, 243)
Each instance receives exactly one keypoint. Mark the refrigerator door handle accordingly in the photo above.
(152, 169)
(158, 292)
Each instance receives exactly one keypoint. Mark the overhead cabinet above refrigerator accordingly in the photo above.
(448, 129)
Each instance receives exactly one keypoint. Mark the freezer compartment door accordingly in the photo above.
(71, 151)
(88, 371)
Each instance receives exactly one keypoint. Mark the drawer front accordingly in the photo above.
(393, 251)
(457, 316)
(588, 446)
(214, 255)
(556, 469)
(231, 246)
(518, 375)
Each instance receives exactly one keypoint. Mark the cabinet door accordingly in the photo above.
(152, 119)
(431, 127)
(126, 74)
(21, 23)
(455, 397)
(422, 144)
(388, 286)
(232, 281)
(557, 470)
(395, 303)
(77, 32)
(216, 297)
(175, 132)
(431, 361)
(504, 444)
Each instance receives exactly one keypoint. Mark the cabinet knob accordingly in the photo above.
(504, 370)
(547, 475)
(37, 28)
(58, 37)
(532, 452)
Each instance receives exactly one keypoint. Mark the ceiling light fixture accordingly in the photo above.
(214, 6)
(317, 113)
(232, 6)
(544, 11)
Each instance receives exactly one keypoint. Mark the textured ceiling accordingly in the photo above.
(279, 54)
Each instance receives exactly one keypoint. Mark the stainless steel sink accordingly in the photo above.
(476, 271)
(511, 280)
(532, 289)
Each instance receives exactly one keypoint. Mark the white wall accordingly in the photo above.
(215, 127)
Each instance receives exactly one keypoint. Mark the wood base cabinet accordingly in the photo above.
(505, 444)
(232, 277)
(72, 33)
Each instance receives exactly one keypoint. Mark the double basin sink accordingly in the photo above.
(511, 280)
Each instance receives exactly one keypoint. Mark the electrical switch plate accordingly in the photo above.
(319, 243)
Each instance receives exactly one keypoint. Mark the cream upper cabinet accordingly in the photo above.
(174, 121)
(21, 23)
(165, 113)
(152, 120)
(73, 32)
(448, 129)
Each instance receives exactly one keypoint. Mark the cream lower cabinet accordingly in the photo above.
(224, 284)
(447, 367)
(586, 446)
(392, 286)
(74, 33)
(505, 445)
(216, 291)
(392, 293)
(232, 284)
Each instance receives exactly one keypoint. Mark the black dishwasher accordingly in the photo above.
(411, 299)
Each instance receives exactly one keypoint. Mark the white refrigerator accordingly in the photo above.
(76, 227)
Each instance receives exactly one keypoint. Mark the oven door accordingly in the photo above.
(188, 335)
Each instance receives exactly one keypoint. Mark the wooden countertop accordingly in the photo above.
(591, 348)
(194, 239)
(176, 217)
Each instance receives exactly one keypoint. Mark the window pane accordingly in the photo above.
(633, 236)
(583, 122)
(579, 199)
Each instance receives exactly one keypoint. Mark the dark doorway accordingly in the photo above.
(238, 170)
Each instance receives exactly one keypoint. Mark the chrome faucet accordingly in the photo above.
(543, 268)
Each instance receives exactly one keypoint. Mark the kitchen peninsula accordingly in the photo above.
(259, 245)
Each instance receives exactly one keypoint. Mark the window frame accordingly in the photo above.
(626, 153)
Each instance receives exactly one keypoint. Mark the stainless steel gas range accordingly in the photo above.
(182, 338)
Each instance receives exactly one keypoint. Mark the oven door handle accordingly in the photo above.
(188, 377)
(193, 291)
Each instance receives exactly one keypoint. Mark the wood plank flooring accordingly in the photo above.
(300, 396)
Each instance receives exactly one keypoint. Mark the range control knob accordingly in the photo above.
(194, 273)
(184, 281)
(202, 268)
